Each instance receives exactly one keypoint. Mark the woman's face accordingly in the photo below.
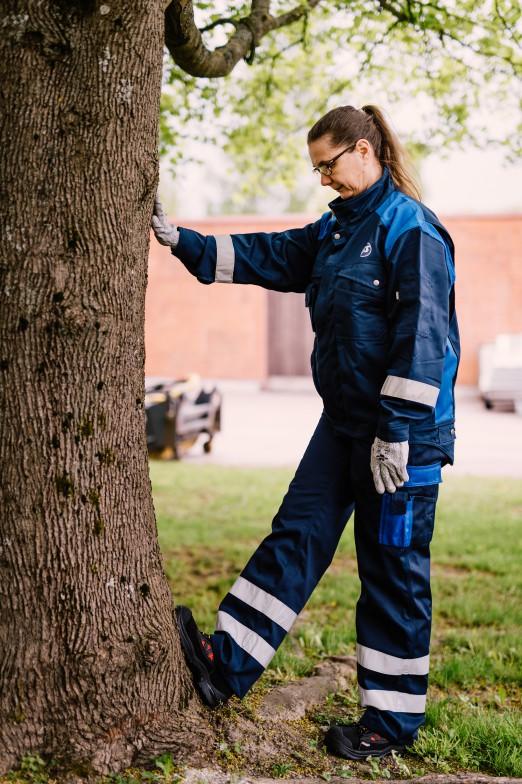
(353, 172)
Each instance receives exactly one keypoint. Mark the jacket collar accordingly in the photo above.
(349, 211)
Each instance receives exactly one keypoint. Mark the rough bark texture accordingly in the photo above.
(90, 664)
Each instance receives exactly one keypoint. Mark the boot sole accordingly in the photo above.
(354, 754)
(202, 681)
(338, 746)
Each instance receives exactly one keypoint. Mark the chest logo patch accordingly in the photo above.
(366, 250)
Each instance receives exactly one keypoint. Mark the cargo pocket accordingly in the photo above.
(424, 503)
(408, 515)
(396, 519)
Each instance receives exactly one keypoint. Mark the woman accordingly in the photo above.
(378, 273)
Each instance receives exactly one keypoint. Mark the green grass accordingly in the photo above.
(210, 520)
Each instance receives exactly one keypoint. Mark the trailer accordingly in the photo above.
(178, 412)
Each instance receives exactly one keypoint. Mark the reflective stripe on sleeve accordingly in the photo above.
(225, 258)
(408, 389)
(396, 701)
(391, 665)
(264, 602)
(251, 642)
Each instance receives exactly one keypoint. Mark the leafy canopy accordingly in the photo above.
(452, 65)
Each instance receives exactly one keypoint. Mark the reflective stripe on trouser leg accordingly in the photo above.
(260, 608)
(393, 615)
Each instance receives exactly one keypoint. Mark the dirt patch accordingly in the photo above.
(460, 570)
(278, 735)
(343, 564)
(211, 776)
(201, 568)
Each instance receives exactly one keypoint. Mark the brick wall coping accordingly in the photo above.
(287, 218)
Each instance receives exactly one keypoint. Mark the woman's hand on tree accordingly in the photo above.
(165, 232)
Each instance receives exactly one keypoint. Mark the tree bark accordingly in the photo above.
(91, 671)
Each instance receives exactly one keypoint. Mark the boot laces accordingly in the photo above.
(207, 648)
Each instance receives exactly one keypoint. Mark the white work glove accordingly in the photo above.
(165, 232)
(388, 463)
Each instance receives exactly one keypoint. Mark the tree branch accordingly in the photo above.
(185, 42)
(218, 23)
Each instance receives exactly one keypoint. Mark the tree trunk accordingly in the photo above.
(91, 671)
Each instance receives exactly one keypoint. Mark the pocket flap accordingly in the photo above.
(420, 476)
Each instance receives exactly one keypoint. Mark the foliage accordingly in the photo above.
(455, 62)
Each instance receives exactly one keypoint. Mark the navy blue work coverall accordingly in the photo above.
(378, 274)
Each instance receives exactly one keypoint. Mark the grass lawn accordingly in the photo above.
(210, 520)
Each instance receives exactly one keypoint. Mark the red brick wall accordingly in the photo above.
(489, 282)
(218, 331)
(221, 331)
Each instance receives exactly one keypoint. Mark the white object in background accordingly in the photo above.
(500, 371)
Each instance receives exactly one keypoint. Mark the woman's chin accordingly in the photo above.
(344, 193)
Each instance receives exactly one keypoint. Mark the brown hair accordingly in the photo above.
(346, 125)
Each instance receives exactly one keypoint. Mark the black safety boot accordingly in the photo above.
(199, 655)
(355, 741)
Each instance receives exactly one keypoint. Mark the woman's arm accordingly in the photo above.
(422, 278)
(421, 281)
(281, 261)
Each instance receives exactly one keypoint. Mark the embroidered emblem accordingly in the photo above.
(366, 250)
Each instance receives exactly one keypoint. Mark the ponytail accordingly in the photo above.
(393, 155)
(346, 125)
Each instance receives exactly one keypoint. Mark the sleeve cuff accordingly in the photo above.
(175, 246)
(193, 250)
(174, 239)
(393, 433)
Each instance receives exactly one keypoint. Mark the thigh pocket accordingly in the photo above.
(396, 519)
(408, 515)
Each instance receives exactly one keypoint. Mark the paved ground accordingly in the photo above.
(272, 427)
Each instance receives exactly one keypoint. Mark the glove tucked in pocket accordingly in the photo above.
(408, 515)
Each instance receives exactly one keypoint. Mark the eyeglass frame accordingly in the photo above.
(329, 165)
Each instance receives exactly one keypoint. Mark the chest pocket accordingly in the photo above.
(360, 301)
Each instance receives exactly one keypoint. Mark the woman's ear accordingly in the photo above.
(363, 147)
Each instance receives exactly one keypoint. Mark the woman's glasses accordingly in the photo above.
(328, 167)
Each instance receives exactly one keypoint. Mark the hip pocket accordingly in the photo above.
(310, 294)
(408, 515)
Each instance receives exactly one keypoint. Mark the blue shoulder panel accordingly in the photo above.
(400, 213)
